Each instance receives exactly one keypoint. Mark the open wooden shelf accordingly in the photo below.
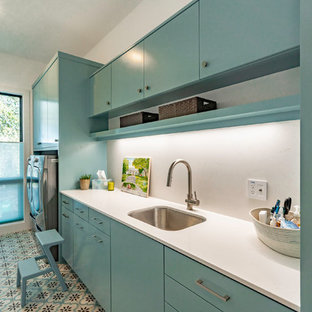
(279, 109)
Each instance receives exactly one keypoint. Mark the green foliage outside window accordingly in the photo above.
(9, 118)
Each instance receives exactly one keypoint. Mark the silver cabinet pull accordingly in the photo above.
(100, 241)
(65, 202)
(139, 90)
(55, 140)
(64, 215)
(147, 87)
(200, 283)
(98, 222)
(108, 102)
(204, 64)
(81, 211)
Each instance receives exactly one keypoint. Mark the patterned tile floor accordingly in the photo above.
(44, 293)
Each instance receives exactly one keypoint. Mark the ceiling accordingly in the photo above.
(36, 29)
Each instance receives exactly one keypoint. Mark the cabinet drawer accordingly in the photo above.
(169, 308)
(67, 202)
(183, 300)
(202, 280)
(81, 210)
(100, 221)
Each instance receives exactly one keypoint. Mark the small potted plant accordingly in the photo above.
(85, 181)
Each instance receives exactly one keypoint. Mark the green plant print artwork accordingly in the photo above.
(136, 175)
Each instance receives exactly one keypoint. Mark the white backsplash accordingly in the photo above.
(222, 160)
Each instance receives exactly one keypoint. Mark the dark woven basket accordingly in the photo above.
(137, 118)
(186, 107)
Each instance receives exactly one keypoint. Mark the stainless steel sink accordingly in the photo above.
(166, 218)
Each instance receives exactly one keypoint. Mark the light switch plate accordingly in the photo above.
(257, 189)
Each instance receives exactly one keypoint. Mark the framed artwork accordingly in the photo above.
(136, 175)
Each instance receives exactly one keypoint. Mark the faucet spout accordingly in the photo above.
(190, 201)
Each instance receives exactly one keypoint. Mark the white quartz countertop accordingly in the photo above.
(225, 244)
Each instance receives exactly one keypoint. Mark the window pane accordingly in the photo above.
(11, 203)
(10, 118)
(11, 160)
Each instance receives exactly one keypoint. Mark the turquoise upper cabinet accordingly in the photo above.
(37, 114)
(171, 54)
(53, 104)
(233, 33)
(127, 77)
(137, 271)
(45, 110)
(101, 90)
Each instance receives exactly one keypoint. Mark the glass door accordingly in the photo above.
(11, 158)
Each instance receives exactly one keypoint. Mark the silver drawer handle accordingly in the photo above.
(81, 211)
(81, 228)
(65, 202)
(64, 215)
(200, 283)
(100, 222)
(100, 241)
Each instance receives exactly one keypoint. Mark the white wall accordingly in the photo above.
(18, 72)
(222, 160)
(143, 19)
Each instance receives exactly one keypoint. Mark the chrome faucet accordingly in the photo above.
(189, 200)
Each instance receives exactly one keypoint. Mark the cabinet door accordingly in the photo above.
(233, 33)
(98, 280)
(81, 248)
(127, 77)
(53, 104)
(36, 115)
(40, 114)
(101, 90)
(137, 271)
(171, 54)
(68, 235)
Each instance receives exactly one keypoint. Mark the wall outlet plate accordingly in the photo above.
(257, 189)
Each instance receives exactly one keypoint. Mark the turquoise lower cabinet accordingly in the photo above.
(183, 300)
(82, 260)
(171, 54)
(228, 296)
(233, 33)
(81, 211)
(98, 278)
(169, 308)
(127, 271)
(101, 91)
(137, 271)
(67, 220)
(127, 77)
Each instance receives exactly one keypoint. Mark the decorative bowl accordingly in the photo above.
(284, 241)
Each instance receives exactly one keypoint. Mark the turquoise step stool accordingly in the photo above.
(29, 268)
